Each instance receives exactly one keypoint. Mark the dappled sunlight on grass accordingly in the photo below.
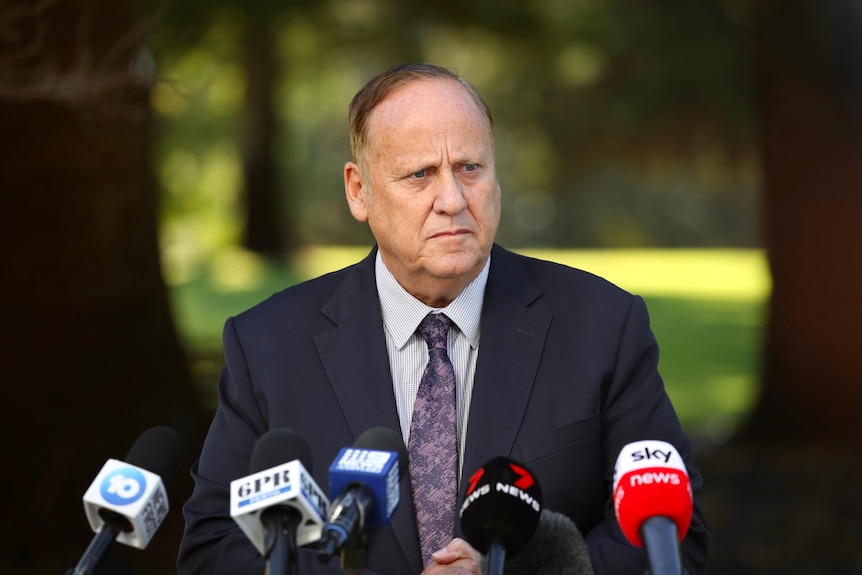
(313, 261)
(238, 270)
(731, 392)
(233, 281)
(722, 273)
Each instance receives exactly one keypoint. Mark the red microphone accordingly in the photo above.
(653, 501)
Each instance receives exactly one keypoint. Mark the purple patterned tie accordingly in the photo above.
(433, 445)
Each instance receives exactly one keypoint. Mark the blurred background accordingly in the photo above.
(169, 163)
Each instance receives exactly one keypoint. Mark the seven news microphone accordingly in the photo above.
(502, 517)
(501, 510)
(127, 501)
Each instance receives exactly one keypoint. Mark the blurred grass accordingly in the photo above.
(707, 310)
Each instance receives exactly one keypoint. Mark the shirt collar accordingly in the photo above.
(402, 312)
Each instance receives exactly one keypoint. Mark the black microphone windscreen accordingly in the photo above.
(556, 548)
(502, 503)
(384, 439)
(160, 450)
(278, 446)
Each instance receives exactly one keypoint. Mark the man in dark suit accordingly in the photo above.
(554, 367)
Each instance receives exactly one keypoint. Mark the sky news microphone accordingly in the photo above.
(127, 501)
(364, 479)
(653, 501)
(556, 548)
(501, 511)
(278, 506)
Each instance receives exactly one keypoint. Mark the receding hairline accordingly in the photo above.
(388, 83)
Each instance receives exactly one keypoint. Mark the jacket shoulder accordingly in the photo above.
(557, 278)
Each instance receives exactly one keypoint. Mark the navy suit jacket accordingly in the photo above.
(566, 376)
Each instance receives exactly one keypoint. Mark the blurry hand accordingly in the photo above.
(457, 558)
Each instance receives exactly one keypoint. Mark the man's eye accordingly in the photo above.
(420, 174)
(469, 167)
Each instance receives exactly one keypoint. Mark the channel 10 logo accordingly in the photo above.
(123, 486)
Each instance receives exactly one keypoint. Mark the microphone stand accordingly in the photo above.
(354, 556)
(97, 547)
(662, 551)
(280, 523)
(496, 558)
(113, 525)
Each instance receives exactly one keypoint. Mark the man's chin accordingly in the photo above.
(454, 266)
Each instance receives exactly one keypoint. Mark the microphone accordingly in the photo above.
(556, 548)
(127, 500)
(501, 510)
(366, 478)
(278, 506)
(653, 501)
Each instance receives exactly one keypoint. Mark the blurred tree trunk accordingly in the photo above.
(810, 104)
(268, 227)
(89, 351)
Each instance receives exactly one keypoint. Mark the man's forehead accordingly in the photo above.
(418, 95)
(428, 113)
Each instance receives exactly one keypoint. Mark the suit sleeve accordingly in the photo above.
(212, 542)
(636, 407)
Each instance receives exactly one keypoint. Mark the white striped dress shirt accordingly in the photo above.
(408, 352)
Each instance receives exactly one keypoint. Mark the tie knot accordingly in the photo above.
(434, 328)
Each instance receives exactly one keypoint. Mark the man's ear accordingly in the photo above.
(356, 191)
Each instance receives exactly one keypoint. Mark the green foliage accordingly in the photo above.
(618, 123)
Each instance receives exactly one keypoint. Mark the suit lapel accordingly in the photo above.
(510, 349)
(356, 361)
(354, 352)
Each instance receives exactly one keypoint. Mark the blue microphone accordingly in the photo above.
(364, 479)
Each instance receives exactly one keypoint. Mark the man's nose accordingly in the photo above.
(450, 194)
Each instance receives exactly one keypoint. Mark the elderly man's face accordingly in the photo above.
(429, 188)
